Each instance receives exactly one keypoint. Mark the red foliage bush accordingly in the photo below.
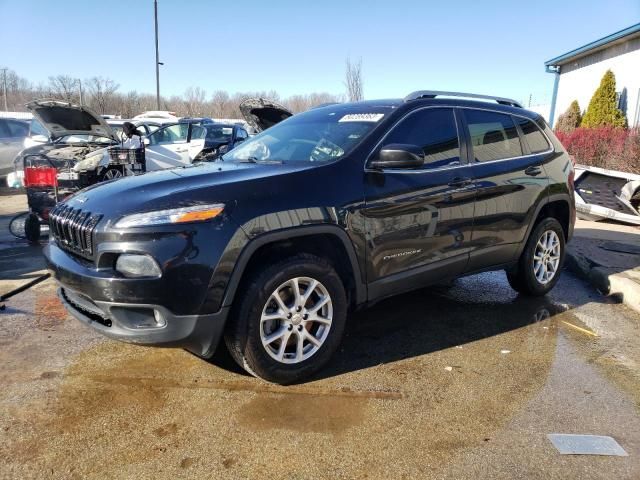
(605, 147)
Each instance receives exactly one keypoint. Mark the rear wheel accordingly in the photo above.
(289, 320)
(539, 266)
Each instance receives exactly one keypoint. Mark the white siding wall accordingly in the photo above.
(581, 83)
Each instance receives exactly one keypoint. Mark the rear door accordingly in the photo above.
(507, 154)
(12, 135)
(197, 137)
(168, 147)
(419, 221)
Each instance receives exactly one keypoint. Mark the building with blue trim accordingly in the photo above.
(578, 73)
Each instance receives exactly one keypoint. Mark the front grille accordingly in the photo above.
(73, 229)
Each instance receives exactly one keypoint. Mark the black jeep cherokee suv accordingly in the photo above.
(327, 211)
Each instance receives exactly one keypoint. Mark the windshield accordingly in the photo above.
(320, 135)
(85, 139)
(218, 133)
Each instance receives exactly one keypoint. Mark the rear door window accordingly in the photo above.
(534, 138)
(493, 135)
(172, 134)
(18, 129)
(4, 129)
(432, 129)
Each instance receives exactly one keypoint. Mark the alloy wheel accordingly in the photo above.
(112, 173)
(296, 320)
(546, 257)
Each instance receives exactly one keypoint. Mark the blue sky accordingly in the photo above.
(491, 46)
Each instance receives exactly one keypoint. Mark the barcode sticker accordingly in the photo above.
(362, 117)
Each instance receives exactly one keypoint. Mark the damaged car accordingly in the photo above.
(603, 194)
(74, 135)
(184, 143)
(262, 113)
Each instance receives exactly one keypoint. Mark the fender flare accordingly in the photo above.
(547, 200)
(296, 232)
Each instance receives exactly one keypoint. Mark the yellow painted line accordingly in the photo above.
(580, 329)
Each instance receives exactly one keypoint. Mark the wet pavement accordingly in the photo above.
(458, 382)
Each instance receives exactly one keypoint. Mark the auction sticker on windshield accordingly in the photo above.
(362, 117)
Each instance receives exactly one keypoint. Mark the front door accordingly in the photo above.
(419, 221)
(168, 147)
(507, 155)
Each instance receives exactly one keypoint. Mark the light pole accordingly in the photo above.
(155, 15)
(4, 88)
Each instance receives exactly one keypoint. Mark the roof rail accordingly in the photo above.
(435, 93)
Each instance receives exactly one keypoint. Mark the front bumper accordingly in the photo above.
(131, 310)
(132, 323)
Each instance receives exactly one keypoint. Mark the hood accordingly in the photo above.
(213, 182)
(64, 118)
(262, 113)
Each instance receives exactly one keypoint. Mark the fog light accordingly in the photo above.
(137, 266)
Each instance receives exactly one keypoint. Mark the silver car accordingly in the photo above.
(12, 135)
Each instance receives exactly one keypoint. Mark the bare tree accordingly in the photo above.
(102, 94)
(64, 87)
(194, 101)
(220, 104)
(353, 80)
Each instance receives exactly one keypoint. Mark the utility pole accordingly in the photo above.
(155, 14)
(4, 88)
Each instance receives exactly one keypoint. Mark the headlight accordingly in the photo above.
(90, 162)
(196, 213)
(137, 266)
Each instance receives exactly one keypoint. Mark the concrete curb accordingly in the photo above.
(622, 285)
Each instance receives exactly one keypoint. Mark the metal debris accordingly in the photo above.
(602, 194)
(568, 444)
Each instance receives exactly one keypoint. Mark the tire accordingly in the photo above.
(32, 228)
(111, 174)
(17, 223)
(246, 330)
(537, 276)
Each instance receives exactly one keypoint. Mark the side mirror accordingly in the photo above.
(399, 155)
(146, 141)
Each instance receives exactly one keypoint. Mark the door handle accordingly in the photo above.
(460, 182)
(180, 150)
(533, 170)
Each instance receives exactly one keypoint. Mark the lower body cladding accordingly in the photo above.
(147, 324)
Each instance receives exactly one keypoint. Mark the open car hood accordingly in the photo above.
(64, 118)
(262, 113)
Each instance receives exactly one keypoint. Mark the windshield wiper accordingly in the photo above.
(248, 160)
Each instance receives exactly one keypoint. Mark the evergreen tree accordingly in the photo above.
(603, 108)
(569, 120)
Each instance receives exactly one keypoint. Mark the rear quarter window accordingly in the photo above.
(534, 138)
(493, 135)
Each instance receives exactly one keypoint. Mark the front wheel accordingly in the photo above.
(111, 174)
(539, 266)
(289, 320)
